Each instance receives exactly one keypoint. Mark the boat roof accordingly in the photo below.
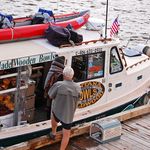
(21, 53)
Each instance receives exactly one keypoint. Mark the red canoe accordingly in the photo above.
(22, 31)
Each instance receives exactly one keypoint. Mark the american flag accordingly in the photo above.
(114, 27)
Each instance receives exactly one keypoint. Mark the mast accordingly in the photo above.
(106, 19)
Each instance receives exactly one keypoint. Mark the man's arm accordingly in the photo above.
(53, 91)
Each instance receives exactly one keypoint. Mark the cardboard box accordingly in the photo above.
(31, 88)
(29, 102)
(29, 115)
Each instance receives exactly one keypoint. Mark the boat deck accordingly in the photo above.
(135, 136)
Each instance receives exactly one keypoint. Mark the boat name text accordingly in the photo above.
(13, 63)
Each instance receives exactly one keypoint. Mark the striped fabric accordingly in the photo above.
(114, 28)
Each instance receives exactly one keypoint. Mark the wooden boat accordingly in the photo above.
(111, 80)
(24, 30)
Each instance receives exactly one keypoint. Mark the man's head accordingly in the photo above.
(68, 73)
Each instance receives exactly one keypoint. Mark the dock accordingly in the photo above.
(135, 135)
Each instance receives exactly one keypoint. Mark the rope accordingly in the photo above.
(12, 33)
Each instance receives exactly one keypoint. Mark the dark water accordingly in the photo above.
(134, 15)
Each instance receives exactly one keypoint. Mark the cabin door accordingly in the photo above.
(116, 76)
(89, 73)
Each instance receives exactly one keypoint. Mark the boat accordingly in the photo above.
(24, 29)
(112, 79)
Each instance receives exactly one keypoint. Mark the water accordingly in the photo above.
(134, 15)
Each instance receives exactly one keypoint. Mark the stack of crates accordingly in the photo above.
(29, 104)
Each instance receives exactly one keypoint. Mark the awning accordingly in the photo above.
(24, 53)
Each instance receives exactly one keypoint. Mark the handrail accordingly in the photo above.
(86, 42)
(12, 75)
(13, 89)
(123, 57)
(37, 68)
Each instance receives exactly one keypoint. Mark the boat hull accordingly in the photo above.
(11, 140)
(38, 30)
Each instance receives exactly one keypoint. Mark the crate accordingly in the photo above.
(31, 88)
(29, 102)
(105, 130)
(28, 115)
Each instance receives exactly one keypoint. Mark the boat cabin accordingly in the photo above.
(109, 81)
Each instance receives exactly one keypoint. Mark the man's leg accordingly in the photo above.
(65, 139)
(54, 124)
(48, 108)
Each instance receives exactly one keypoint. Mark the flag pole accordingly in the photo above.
(106, 19)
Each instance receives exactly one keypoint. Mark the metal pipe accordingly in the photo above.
(106, 19)
(17, 97)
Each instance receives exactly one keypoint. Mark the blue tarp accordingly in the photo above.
(131, 52)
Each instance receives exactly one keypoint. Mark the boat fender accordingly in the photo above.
(146, 50)
(143, 49)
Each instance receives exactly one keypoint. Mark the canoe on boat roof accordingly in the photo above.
(24, 29)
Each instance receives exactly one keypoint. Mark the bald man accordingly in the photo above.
(65, 95)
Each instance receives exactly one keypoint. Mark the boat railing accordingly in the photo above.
(86, 42)
(123, 57)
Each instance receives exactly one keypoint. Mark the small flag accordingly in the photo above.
(114, 27)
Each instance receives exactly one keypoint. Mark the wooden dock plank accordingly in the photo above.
(136, 131)
(136, 138)
(141, 129)
(146, 122)
(146, 118)
(126, 144)
(117, 145)
(132, 143)
(109, 146)
(141, 121)
(85, 142)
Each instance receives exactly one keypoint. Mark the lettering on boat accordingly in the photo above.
(91, 92)
(26, 61)
(89, 51)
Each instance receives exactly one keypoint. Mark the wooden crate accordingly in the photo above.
(31, 88)
(28, 115)
(29, 102)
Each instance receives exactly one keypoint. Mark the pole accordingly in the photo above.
(17, 97)
(106, 19)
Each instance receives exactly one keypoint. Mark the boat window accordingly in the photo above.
(88, 66)
(115, 62)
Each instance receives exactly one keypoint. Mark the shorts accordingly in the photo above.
(64, 125)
